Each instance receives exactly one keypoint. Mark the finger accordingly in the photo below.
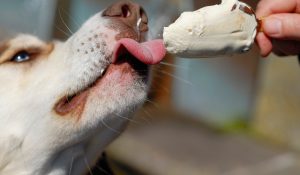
(286, 47)
(264, 43)
(268, 7)
(282, 26)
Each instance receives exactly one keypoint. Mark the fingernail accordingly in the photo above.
(272, 26)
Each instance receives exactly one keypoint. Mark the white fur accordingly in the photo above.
(34, 140)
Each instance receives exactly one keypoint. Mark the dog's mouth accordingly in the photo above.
(137, 55)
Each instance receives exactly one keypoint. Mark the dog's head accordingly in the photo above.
(61, 103)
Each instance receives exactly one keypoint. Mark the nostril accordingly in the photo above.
(126, 11)
(141, 12)
(129, 13)
(121, 9)
(143, 15)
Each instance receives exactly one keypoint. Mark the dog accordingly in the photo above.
(62, 103)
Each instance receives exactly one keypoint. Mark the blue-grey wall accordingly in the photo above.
(28, 16)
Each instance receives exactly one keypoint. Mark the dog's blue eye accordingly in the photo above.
(21, 57)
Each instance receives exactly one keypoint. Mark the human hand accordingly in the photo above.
(280, 25)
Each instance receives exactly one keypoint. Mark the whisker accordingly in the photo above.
(70, 17)
(148, 120)
(153, 103)
(110, 128)
(88, 166)
(71, 167)
(141, 116)
(131, 120)
(63, 21)
(61, 30)
(176, 77)
(158, 75)
(173, 65)
(158, 87)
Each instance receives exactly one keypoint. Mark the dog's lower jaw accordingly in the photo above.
(80, 159)
(74, 159)
(85, 162)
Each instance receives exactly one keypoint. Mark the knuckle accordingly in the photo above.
(264, 8)
(260, 8)
(291, 27)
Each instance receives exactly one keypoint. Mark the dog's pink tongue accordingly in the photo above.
(150, 52)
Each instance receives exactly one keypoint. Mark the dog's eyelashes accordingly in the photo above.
(21, 57)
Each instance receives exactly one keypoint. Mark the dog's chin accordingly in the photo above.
(127, 72)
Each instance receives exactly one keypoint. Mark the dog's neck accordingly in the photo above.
(73, 159)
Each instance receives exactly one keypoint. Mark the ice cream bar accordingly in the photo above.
(223, 29)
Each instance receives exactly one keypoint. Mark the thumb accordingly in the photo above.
(282, 26)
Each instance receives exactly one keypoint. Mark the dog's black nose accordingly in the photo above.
(130, 13)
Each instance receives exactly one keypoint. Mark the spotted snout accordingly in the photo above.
(129, 18)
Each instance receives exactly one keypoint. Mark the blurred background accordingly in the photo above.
(235, 115)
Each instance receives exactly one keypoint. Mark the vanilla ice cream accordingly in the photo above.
(223, 29)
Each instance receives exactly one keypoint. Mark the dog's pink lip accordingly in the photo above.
(65, 106)
(150, 52)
